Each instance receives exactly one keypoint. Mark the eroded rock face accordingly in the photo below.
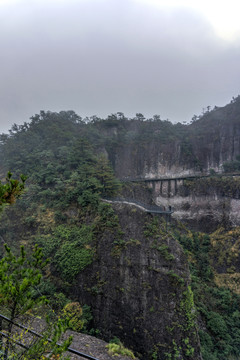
(180, 151)
(201, 213)
(176, 152)
(138, 288)
(203, 203)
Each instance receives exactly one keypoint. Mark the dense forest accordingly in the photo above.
(71, 166)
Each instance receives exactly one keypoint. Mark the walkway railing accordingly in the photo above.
(145, 207)
(32, 332)
(184, 177)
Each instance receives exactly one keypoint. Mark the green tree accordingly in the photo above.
(11, 190)
(105, 174)
(19, 276)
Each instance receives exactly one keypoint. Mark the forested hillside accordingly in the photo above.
(158, 287)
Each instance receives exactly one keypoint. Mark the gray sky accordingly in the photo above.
(98, 57)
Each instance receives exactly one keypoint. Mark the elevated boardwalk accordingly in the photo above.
(178, 178)
(154, 209)
(168, 187)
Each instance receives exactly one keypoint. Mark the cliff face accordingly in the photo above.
(160, 150)
(216, 137)
(163, 150)
(138, 287)
(204, 203)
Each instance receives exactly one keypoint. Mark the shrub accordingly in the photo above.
(119, 349)
(72, 312)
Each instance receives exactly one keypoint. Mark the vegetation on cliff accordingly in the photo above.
(66, 161)
(10, 190)
(221, 185)
(19, 278)
(216, 302)
(62, 210)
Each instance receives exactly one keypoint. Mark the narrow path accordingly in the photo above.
(187, 177)
(147, 208)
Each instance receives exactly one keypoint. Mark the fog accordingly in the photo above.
(99, 57)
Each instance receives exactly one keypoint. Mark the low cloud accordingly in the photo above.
(102, 56)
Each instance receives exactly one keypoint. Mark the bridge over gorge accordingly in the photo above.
(165, 188)
(168, 186)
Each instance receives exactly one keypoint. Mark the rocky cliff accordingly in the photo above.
(159, 149)
(138, 287)
(203, 203)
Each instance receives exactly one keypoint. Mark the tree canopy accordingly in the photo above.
(11, 190)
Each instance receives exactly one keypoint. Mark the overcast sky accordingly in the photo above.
(98, 57)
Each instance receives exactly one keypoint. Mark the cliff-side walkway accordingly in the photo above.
(147, 208)
(184, 177)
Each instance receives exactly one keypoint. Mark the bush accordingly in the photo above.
(72, 312)
(118, 349)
